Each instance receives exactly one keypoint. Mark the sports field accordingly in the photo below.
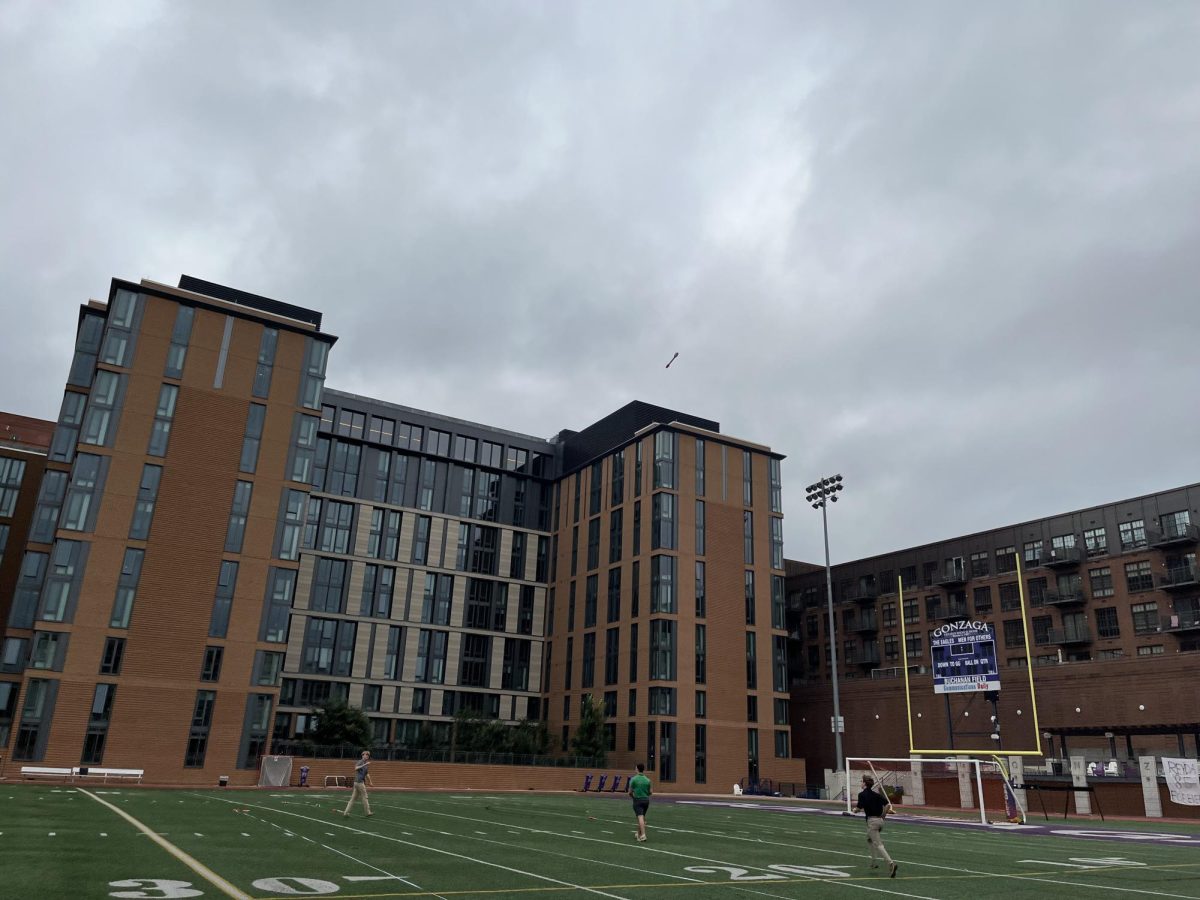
(95, 842)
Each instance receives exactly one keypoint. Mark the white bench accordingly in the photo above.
(105, 774)
(45, 772)
(339, 781)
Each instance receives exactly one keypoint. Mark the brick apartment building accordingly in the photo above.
(218, 543)
(1113, 596)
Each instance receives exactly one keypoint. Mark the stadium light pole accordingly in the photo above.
(818, 494)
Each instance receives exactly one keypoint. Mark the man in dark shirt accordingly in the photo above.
(875, 805)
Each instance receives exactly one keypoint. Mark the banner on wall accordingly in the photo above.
(1183, 780)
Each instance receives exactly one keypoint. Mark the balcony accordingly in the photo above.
(1064, 598)
(865, 656)
(1184, 620)
(864, 624)
(1067, 636)
(1062, 557)
(1172, 536)
(951, 612)
(952, 577)
(1179, 578)
(862, 595)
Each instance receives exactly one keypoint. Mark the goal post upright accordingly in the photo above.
(918, 751)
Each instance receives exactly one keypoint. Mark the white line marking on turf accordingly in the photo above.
(191, 862)
(426, 847)
(385, 872)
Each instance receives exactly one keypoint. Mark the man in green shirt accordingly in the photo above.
(639, 792)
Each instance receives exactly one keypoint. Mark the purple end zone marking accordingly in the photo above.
(1082, 832)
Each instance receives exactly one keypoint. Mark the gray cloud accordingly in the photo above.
(946, 250)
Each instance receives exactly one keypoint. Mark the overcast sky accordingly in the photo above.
(949, 250)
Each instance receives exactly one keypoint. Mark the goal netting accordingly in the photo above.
(946, 783)
(275, 771)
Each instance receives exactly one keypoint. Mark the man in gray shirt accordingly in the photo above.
(361, 774)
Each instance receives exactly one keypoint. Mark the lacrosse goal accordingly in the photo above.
(965, 783)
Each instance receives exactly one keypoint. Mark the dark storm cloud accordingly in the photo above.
(947, 250)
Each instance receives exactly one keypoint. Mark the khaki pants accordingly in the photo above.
(360, 790)
(875, 842)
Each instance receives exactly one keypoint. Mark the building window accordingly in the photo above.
(699, 467)
(97, 726)
(1010, 596)
(143, 508)
(748, 593)
(891, 647)
(312, 374)
(62, 581)
(662, 584)
(614, 595)
(328, 647)
(11, 474)
(700, 542)
(1107, 625)
(304, 447)
(983, 599)
(253, 437)
(701, 591)
(114, 654)
(979, 565)
(202, 715)
(378, 587)
(237, 517)
(328, 585)
(748, 537)
(1033, 553)
(662, 523)
(86, 485)
(664, 459)
(266, 362)
(1006, 560)
(618, 478)
(1138, 577)
(210, 669)
(912, 612)
(476, 660)
(127, 584)
(751, 661)
(277, 606)
(1175, 524)
(776, 484)
(181, 333)
(1145, 617)
(747, 478)
(662, 650)
(1152, 650)
(1014, 633)
(1037, 591)
(420, 548)
(913, 646)
(1095, 541)
(776, 542)
(1133, 534)
(218, 624)
(1101, 582)
(164, 414)
(888, 611)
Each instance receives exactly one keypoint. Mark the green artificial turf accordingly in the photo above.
(58, 841)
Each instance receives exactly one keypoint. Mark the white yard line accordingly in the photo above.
(483, 862)
(191, 862)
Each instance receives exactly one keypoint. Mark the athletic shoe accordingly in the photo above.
(641, 838)
(895, 866)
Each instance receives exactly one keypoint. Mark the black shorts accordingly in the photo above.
(640, 807)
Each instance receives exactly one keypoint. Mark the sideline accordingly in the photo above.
(190, 861)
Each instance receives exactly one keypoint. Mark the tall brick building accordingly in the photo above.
(1114, 629)
(218, 543)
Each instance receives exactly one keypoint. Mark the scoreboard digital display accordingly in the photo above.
(964, 658)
